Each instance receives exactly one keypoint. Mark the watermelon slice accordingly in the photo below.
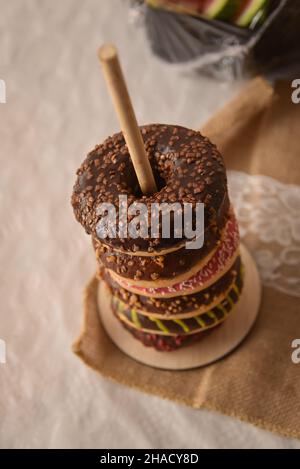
(192, 7)
(249, 10)
(221, 9)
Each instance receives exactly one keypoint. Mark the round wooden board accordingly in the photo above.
(209, 349)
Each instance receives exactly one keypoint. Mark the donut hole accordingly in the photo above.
(133, 183)
(160, 181)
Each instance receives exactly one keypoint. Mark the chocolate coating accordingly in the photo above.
(165, 266)
(171, 325)
(187, 168)
(179, 304)
(166, 343)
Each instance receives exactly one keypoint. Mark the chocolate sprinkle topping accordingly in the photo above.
(187, 168)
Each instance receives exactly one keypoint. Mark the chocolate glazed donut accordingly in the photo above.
(166, 266)
(180, 305)
(170, 334)
(176, 324)
(187, 168)
(166, 343)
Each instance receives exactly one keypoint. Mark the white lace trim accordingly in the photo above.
(268, 212)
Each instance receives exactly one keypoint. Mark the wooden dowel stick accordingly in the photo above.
(118, 90)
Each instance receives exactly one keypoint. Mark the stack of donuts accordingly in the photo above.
(165, 294)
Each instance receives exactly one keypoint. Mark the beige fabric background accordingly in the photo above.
(56, 110)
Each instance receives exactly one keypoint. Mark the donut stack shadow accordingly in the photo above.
(164, 293)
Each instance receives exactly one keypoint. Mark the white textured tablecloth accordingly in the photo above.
(57, 109)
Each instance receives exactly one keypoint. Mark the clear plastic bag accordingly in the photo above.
(221, 49)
